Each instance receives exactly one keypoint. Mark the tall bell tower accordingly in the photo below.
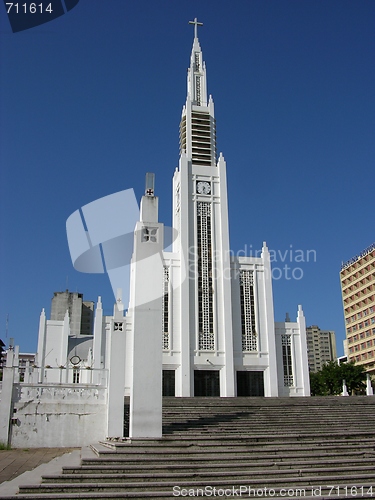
(200, 215)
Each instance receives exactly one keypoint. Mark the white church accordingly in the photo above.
(203, 314)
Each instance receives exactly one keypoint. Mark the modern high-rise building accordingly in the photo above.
(357, 278)
(321, 347)
(81, 313)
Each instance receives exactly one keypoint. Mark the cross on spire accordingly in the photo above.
(196, 24)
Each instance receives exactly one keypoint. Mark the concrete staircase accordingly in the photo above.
(242, 447)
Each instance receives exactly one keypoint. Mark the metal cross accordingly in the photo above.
(196, 24)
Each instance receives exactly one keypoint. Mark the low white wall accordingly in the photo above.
(58, 416)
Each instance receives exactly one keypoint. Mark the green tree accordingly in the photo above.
(332, 379)
(354, 376)
(328, 381)
(317, 386)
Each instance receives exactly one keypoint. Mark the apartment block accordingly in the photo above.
(357, 278)
(81, 313)
(321, 347)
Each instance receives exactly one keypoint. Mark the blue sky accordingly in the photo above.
(92, 101)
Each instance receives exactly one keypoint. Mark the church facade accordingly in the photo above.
(214, 312)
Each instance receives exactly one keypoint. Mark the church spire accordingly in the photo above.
(197, 82)
(197, 127)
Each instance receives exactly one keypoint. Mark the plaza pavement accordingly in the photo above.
(26, 466)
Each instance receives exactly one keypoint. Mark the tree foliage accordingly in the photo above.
(355, 377)
(328, 381)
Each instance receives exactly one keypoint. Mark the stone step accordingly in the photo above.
(362, 479)
(255, 417)
(224, 451)
(368, 462)
(223, 422)
(271, 410)
(211, 435)
(317, 401)
(363, 492)
(205, 427)
(186, 461)
(266, 420)
(211, 440)
(166, 475)
(249, 406)
(261, 436)
(256, 453)
(295, 404)
(252, 451)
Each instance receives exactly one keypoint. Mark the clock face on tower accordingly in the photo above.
(203, 187)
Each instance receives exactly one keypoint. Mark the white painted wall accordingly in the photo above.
(57, 416)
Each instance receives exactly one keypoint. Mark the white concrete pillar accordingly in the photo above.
(98, 343)
(63, 361)
(185, 372)
(344, 389)
(98, 335)
(146, 307)
(116, 375)
(369, 389)
(27, 378)
(225, 326)
(6, 402)
(16, 364)
(303, 360)
(41, 353)
(271, 385)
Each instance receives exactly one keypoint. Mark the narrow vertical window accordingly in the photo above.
(183, 135)
(75, 375)
(249, 335)
(205, 290)
(165, 310)
(196, 61)
(198, 90)
(287, 360)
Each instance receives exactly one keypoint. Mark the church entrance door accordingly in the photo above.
(250, 383)
(206, 383)
(169, 383)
